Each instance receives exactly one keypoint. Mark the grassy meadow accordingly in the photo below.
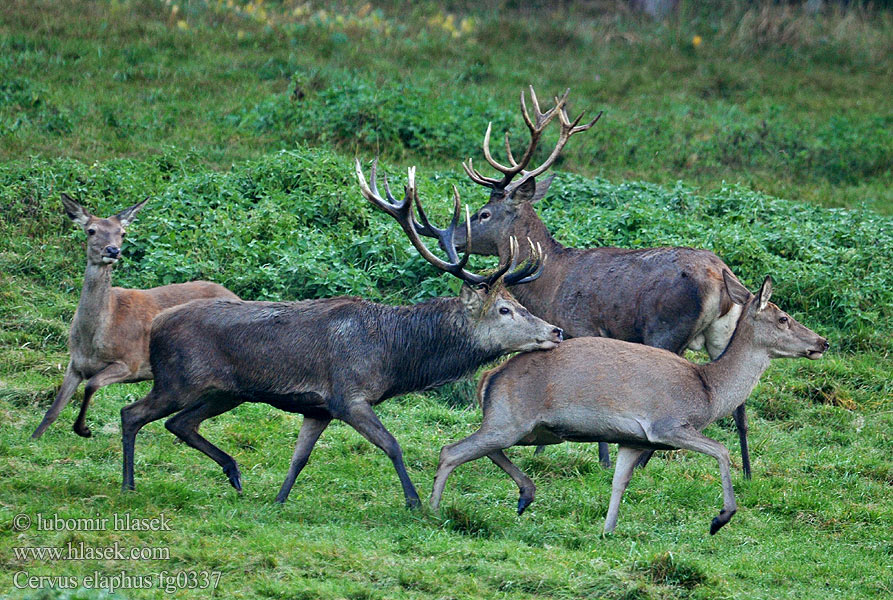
(761, 133)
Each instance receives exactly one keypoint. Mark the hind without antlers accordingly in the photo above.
(592, 389)
(109, 337)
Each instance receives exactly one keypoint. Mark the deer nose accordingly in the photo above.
(558, 333)
(112, 251)
(826, 345)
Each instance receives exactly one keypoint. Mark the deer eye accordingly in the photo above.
(505, 311)
(782, 320)
(91, 231)
(485, 215)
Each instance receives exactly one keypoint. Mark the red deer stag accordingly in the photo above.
(670, 298)
(332, 358)
(109, 338)
(599, 389)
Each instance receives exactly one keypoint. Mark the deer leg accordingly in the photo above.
(156, 405)
(70, 383)
(627, 458)
(690, 439)
(311, 429)
(525, 484)
(482, 442)
(740, 416)
(359, 415)
(644, 458)
(114, 373)
(185, 426)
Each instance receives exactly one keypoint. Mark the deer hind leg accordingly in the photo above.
(482, 442)
(627, 458)
(311, 429)
(359, 415)
(690, 439)
(70, 383)
(526, 486)
(156, 405)
(114, 373)
(185, 426)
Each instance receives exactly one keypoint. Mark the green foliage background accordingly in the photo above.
(241, 124)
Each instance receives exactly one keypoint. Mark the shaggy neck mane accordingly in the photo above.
(433, 343)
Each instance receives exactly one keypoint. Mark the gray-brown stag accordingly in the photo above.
(332, 358)
(109, 337)
(598, 389)
(670, 298)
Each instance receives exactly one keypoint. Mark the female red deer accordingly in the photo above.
(597, 389)
(109, 338)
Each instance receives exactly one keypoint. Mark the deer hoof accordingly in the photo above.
(523, 503)
(413, 503)
(235, 478)
(82, 430)
(720, 520)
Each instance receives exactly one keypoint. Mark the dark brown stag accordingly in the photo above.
(670, 298)
(332, 358)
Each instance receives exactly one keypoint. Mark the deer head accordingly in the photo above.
(771, 329)
(104, 236)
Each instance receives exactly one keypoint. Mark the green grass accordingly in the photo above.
(772, 118)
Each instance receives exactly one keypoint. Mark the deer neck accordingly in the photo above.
(94, 306)
(536, 296)
(435, 345)
(733, 376)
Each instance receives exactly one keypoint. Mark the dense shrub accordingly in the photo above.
(293, 225)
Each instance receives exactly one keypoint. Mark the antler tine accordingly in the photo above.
(476, 176)
(568, 128)
(532, 268)
(403, 214)
(371, 194)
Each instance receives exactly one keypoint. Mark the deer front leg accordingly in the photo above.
(70, 383)
(311, 429)
(627, 458)
(740, 416)
(359, 415)
(526, 487)
(114, 373)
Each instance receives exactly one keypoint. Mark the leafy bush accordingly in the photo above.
(294, 225)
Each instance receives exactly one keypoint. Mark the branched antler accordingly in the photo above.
(402, 212)
(536, 126)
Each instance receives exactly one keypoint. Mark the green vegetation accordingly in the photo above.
(241, 123)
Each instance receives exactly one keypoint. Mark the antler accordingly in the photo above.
(536, 127)
(403, 214)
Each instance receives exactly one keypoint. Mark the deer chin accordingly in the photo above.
(540, 345)
(814, 354)
(109, 260)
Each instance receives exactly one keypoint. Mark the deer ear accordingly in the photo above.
(765, 292)
(526, 192)
(542, 188)
(737, 292)
(75, 211)
(471, 298)
(127, 215)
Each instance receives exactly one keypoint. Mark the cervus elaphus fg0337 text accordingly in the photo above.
(109, 338)
(599, 389)
(670, 298)
(333, 358)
